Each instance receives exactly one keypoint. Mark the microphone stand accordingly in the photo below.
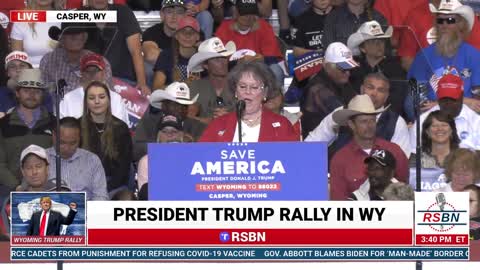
(239, 124)
(240, 108)
(59, 91)
(418, 158)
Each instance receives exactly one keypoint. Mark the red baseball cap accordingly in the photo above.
(450, 86)
(92, 59)
(188, 21)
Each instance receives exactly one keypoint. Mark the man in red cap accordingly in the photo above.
(92, 68)
(450, 100)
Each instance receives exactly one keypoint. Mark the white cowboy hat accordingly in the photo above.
(177, 91)
(208, 49)
(367, 31)
(455, 7)
(242, 53)
(360, 104)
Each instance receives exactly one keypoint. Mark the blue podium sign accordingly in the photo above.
(238, 171)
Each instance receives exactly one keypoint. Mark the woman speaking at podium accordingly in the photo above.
(252, 83)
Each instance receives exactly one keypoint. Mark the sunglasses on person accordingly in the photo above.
(449, 20)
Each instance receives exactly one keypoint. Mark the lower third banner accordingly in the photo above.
(240, 254)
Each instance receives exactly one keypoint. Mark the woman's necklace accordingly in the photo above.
(99, 130)
(252, 122)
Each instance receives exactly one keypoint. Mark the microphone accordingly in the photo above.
(240, 107)
(61, 84)
(440, 198)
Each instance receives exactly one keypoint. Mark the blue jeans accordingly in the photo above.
(205, 20)
(149, 73)
(278, 72)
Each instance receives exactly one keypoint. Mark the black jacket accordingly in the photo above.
(55, 220)
(321, 97)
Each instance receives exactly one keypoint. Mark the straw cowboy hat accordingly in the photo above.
(455, 7)
(31, 78)
(367, 31)
(360, 104)
(177, 92)
(208, 49)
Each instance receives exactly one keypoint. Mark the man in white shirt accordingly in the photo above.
(92, 68)
(82, 170)
(395, 129)
(450, 99)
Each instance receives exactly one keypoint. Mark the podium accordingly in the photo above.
(238, 171)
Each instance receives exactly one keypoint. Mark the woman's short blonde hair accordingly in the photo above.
(465, 159)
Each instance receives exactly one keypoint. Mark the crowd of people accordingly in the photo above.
(213, 71)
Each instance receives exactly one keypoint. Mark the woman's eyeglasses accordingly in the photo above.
(253, 88)
(449, 20)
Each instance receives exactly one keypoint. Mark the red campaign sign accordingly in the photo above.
(133, 99)
(367, 237)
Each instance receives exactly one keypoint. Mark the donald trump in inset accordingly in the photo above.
(47, 221)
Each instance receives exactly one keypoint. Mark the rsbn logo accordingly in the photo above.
(441, 216)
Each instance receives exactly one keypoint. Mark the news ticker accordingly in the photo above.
(241, 254)
(70, 16)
